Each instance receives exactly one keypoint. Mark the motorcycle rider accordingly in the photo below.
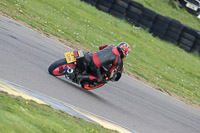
(108, 58)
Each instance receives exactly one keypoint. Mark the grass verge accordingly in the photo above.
(158, 62)
(18, 116)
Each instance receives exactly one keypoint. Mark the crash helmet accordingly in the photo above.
(125, 49)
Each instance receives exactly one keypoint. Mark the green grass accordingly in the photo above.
(169, 8)
(20, 116)
(160, 63)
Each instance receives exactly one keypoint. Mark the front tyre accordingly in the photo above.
(58, 67)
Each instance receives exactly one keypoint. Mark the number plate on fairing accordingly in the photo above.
(70, 57)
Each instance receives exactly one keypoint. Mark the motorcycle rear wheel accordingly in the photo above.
(89, 86)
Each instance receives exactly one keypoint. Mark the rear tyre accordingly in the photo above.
(90, 86)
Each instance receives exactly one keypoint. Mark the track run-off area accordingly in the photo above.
(25, 56)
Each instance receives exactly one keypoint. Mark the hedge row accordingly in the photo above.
(160, 26)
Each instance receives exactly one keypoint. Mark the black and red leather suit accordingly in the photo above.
(109, 57)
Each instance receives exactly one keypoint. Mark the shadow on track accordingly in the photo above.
(95, 96)
(78, 87)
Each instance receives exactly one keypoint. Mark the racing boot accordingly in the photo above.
(87, 78)
(83, 77)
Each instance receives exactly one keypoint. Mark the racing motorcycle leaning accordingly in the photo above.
(77, 62)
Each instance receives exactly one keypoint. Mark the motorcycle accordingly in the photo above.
(77, 62)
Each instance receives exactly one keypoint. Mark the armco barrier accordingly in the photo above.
(160, 26)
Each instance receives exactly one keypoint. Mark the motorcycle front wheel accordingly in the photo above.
(58, 67)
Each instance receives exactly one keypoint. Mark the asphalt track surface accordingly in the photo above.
(25, 56)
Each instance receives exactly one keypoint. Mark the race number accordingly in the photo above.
(70, 57)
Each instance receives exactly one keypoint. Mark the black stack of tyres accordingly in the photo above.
(134, 12)
(147, 18)
(104, 5)
(197, 43)
(91, 2)
(182, 2)
(173, 31)
(119, 8)
(160, 26)
(187, 38)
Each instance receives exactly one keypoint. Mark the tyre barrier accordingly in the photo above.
(134, 12)
(197, 43)
(104, 5)
(173, 32)
(91, 2)
(119, 8)
(147, 19)
(160, 26)
(187, 39)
